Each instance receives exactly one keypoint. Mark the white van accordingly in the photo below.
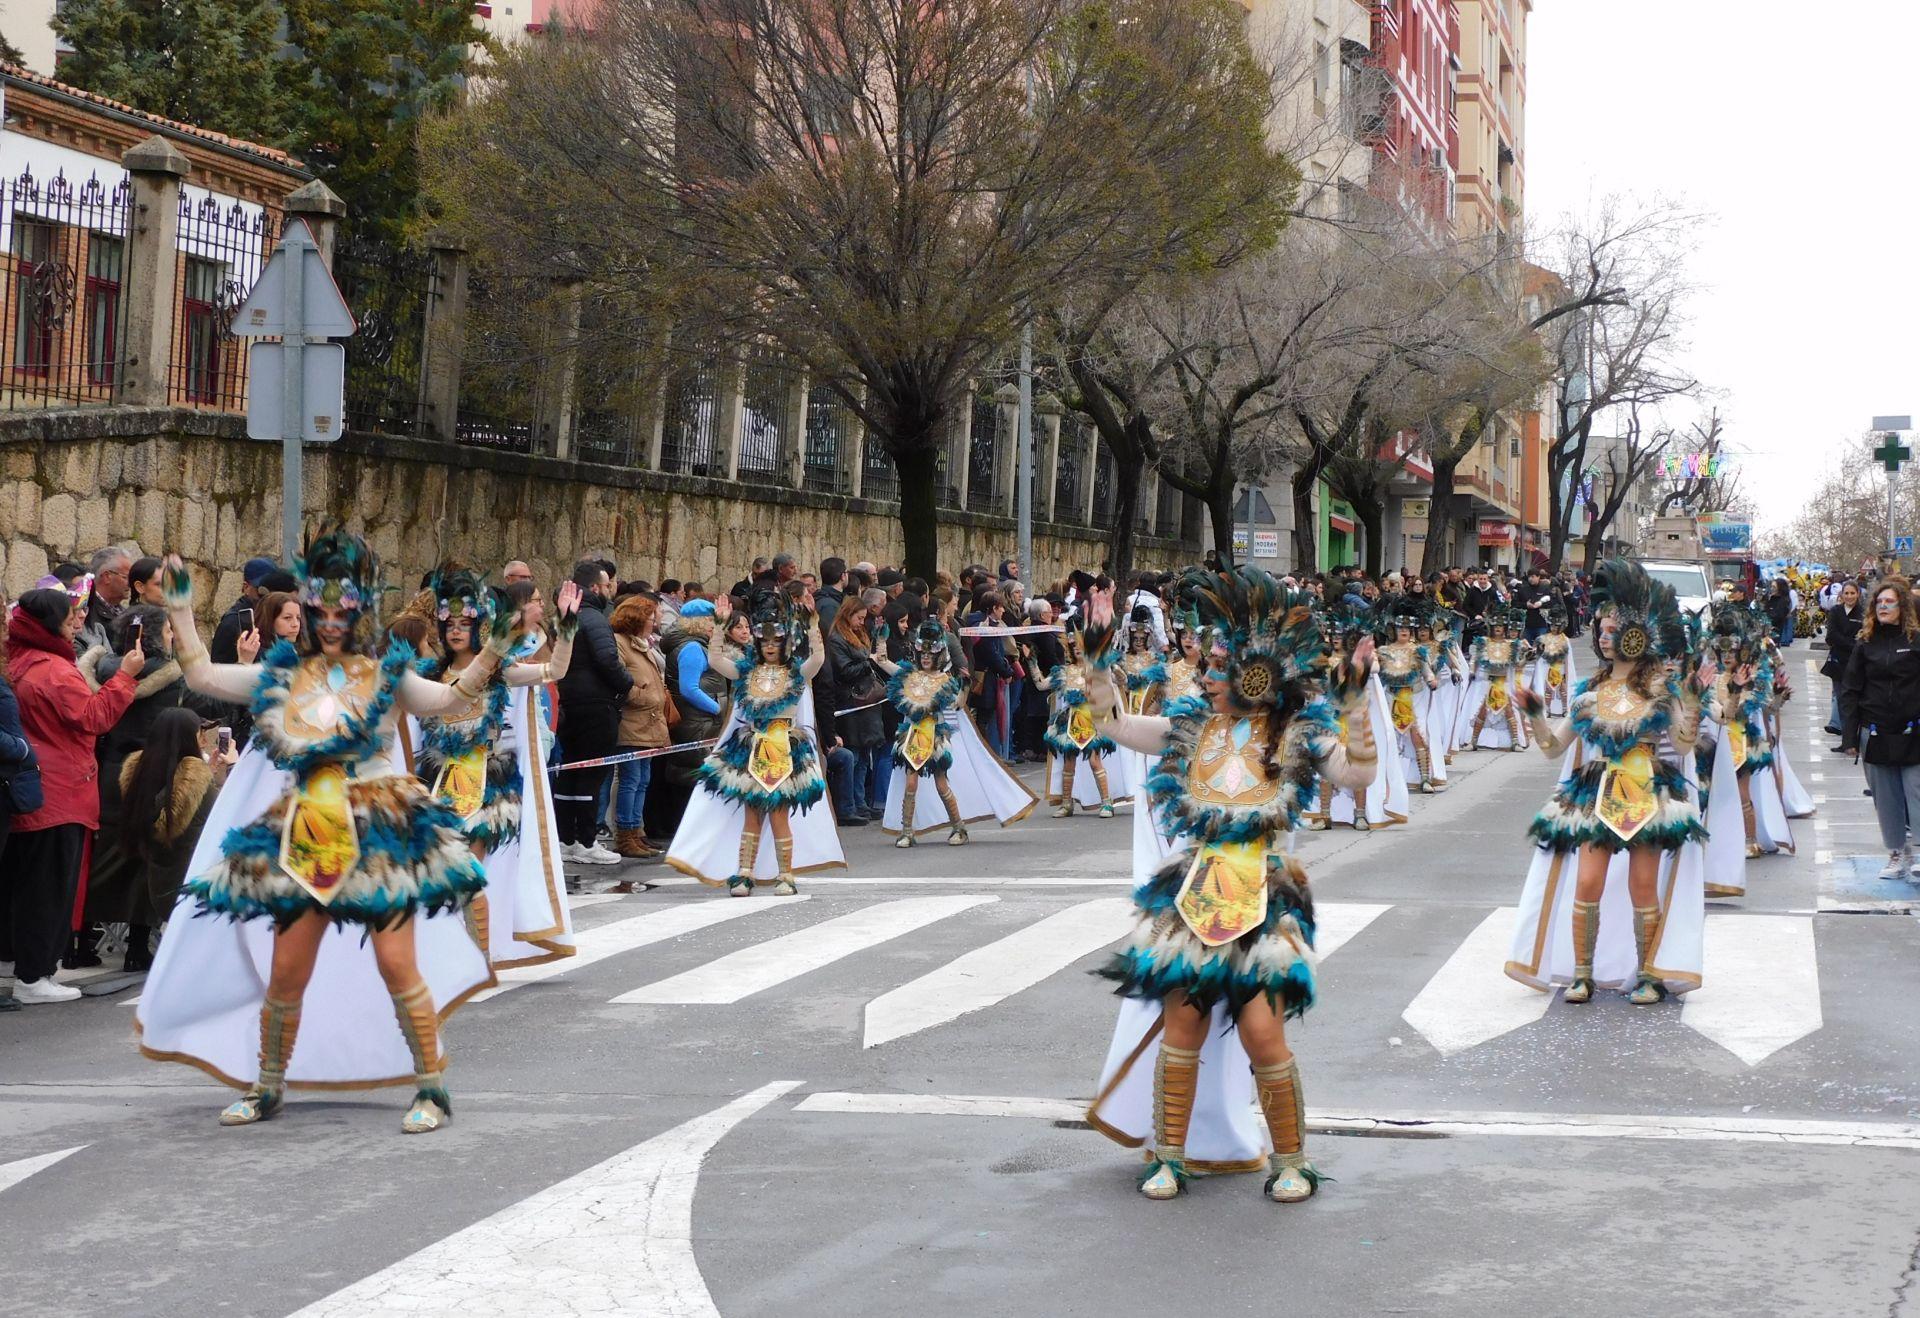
(1689, 581)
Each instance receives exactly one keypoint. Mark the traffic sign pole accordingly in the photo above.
(1892, 454)
(293, 388)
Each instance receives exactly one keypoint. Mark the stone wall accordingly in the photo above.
(192, 483)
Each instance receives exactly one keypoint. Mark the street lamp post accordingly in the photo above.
(1892, 454)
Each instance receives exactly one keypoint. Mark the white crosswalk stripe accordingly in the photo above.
(991, 974)
(1470, 1000)
(760, 967)
(1762, 991)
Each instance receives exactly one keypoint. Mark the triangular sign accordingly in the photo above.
(323, 311)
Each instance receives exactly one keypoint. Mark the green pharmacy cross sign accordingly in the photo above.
(1892, 453)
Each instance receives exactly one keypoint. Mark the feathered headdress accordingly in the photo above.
(337, 570)
(1647, 612)
(461, 593)
(1271, 638)
(930, 638)
(771, 615)
(1396, 611)
(1735, 632)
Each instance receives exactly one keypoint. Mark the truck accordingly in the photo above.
(1695, 555)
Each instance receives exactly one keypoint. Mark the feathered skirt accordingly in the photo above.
(732, 771)
(1571, 817)
(410, 855)
(1163, 955)
(1066, 740)
(497, 821)
(929, 739)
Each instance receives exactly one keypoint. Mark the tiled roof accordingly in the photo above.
(15, 74)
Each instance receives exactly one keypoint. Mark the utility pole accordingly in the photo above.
(1023, 438)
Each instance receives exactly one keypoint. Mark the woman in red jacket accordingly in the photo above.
(61, 717)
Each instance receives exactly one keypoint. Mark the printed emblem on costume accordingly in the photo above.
(1224, 895)
(772, 760)
(1497, 694)
(319, 844)
(462, 782)
(325, 692)
(919, 746)
(1403, 709)
(1627, 800)
(1080, 728)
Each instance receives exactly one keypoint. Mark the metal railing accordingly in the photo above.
(222, 250)
(983, 451)
(826, 438)
(63, 304)
(689, 434)
(388, 287)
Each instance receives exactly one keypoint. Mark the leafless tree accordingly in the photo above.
(1712, 484)
(1619, 355)
(881, 189)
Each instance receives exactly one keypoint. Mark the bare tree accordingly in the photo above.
(1618, 354)
(881, 189)
(1708, 482)
(1625, 462)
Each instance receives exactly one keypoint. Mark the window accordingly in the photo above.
(200, 316)
(1322, 76)
(104, 258)
(35, 296)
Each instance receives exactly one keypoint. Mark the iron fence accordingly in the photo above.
(983, 454)
(822, 470)
(1103, 488)
(63, 303)
(222, 250)
(767, 423)
(1067, 487)
(1167, 510)
(879, 480)
(497, 390)
(388, 287)
(688, 432)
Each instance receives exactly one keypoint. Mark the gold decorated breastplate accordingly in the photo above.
(1183, 679)
(1499, 652)
(1228, 768)
(923, 688)
(325, 692)
(769, 682)
(1399, 660)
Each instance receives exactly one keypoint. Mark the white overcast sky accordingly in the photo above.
(1795, 126)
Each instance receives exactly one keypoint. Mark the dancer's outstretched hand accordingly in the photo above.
(1530, 700)
(176, 583)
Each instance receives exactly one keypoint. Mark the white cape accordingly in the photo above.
(1125, 771)
(1542, 951)
(1796, 800)
(201, 1003)
(1226, 1133)
(982, 785)
(707, 843)
(1434, 711)
(1726, 844)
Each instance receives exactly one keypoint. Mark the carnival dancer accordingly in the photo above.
(937, 740)
(325, 856)
(1612, 849)
(1456, 681)
(1187, 659)
(481, 759)
(1221, 951)
(1738, 705)
(1433, 706)
(1072, 736)
(1795, 801)
(1498, 658)
(1551, 675)
(1385, 799)
(1406, 673)
(766, 766)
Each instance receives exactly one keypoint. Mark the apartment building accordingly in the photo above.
(28, 24)
(1490, 189)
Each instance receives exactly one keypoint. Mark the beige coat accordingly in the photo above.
(643, 719)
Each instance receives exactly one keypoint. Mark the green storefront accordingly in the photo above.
(1338, 536)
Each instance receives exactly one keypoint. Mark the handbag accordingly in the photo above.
(21, 791)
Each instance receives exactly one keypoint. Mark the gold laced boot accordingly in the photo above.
(1175, 1077)
(1424, 759)
(279, 1023)
(906, 838)
(741, 884)
(1293, 1178)
(1067, 766)
(1586, 929)
(1649, 989)
(1323, 821)
(784, 886)
(431, 1108)
(957, 837)
(1515, 732)
(1751, 819)
(1100, 781)
(479, 922)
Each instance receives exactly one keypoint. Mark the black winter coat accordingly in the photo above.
(596, 674)
(1880, 698)
(851, 680)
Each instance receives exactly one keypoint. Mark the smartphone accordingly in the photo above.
(223, 739)
(139, 627)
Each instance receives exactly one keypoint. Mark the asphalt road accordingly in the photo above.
(787, 1111)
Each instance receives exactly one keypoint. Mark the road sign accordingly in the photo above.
(295, 385)
(1892, 453)
(323, 369)
(263, 314)
(1903, 545)
(1892, 423)
(1266, 544)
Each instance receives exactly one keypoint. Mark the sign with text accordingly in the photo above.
(1497, 535)
(1726, 537)
(1266, 544)
(1420, 508)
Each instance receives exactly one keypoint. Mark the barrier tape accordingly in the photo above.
(628, 757)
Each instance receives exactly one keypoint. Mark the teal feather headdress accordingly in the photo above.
(337, 570)
(1646, 611)
(1272, 641)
